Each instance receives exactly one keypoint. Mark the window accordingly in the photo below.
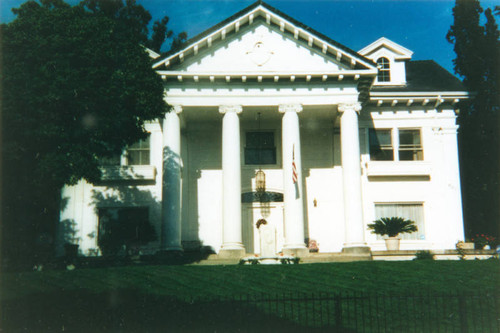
(260, 148)
(138, 153)
(384, 70)
(381, 145)
(410, 211)
(410, 148)
(395, 145)
(123, 229)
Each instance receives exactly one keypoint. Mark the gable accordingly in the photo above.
(260, 48)
(257, 14)
(386, 47)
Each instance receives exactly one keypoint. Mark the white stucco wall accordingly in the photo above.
(440, 194)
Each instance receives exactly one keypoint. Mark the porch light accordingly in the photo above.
(260, 181)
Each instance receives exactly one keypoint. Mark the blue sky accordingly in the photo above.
(419, 25)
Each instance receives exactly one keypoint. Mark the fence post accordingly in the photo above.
(338, 310)
(462, 310)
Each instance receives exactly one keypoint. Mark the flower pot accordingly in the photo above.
(392, 243)
(465, 245)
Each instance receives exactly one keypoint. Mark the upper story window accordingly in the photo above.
(135, 154)
(384, 70)
(138, 153)
(410, 147)
(395, 145)
(381, 145)
(260, 148)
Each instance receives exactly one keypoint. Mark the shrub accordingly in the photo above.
(424, 255)
(392, 226)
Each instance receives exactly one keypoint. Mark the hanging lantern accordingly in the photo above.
(260, 181)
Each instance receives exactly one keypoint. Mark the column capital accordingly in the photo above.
(349, 106)
(230, 108)
(176, 108)
(290, 107)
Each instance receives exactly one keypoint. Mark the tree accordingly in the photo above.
(77, 86)
(477, 61)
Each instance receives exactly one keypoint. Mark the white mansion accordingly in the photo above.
(341, 137)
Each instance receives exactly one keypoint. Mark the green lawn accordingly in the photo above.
(159, 295)
(188, 281)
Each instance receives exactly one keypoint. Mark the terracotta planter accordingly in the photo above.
(392, 243)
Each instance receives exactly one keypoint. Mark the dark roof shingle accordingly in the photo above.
(425, 75)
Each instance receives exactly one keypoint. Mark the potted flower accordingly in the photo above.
(483, 241)
(392, 227)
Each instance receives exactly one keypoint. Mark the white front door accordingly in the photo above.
(272, 212)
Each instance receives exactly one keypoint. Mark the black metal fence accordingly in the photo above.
(360, 312)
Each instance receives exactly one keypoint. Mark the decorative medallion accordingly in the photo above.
(260, 53)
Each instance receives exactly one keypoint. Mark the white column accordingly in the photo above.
(351, 170)
(232, 245)
(171, 203)
(293, 192)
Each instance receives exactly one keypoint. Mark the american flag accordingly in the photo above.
(294, 167)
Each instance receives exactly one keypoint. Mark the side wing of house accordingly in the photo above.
(410, 160)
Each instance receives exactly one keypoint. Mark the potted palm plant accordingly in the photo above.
(392, 227)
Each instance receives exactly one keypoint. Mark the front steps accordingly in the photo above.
(214, 259)
(402, 255)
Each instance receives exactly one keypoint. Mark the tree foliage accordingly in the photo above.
(477, 62)
(77, 86)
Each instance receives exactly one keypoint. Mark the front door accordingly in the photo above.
(272, 213)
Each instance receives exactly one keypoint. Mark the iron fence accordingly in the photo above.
(359, 312)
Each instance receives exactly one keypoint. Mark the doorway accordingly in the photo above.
(272, 212)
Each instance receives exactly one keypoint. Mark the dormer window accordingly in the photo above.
(391, 61)
(384, 70)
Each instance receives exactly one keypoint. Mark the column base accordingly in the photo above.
(170, 256)
(297, 251)
(362, 250)
(172, 249)
(231, 253)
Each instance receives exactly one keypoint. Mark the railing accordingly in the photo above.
(359, 312)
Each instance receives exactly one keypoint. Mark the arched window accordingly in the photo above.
(384, 70)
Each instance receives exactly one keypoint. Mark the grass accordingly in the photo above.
(104, 297)
(185, 282)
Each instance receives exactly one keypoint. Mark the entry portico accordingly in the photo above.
(262, 59)
(292, 191)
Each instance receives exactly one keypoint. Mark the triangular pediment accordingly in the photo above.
(383, 44)
(259, 48)
(262, 39)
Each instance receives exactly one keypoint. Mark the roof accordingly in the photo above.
(402, 53)
(425, 75)
(265, 7)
